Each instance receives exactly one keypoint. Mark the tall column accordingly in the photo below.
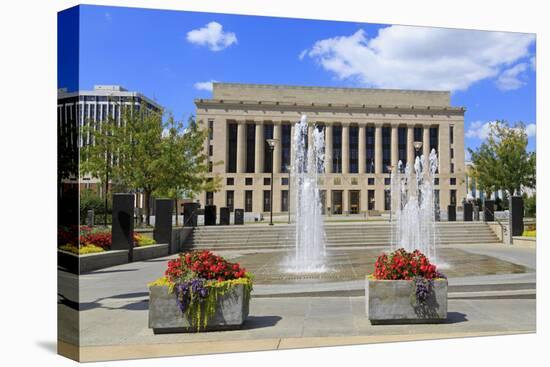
(345, 148)
(410, 145)
(259, 148)
(378, 149)
(362, 150)
(241, 147)
(328, 150)
(394, 145)
(426, 141)
(277, 153)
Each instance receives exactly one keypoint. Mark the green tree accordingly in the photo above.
(139, 146)
(183, 164)
(503, 162)
(99, 152)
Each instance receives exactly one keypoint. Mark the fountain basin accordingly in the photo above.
(394, 302)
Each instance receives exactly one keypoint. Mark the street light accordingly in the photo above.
(390, 168)
(288, 167)
(272, 143)
(417, 145)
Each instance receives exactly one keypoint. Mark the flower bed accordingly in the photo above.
(91, 237)
(405, 287)
(199, 291)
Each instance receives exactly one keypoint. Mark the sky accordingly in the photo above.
(173, 57)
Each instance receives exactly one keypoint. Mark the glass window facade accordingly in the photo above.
(284, 200)
(229, 199)
(248, 200)
(267, 200)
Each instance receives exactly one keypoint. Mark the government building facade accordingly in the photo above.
(367, 131)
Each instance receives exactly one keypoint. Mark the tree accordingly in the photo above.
(139, 139)
(99, 152)
(183, 164)
(503, 162)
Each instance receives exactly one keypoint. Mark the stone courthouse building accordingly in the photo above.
(367, 131)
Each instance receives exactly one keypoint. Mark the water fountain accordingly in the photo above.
(412, 196)
(308, 164)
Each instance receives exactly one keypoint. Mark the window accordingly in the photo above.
(387, 181)
(284, 181)
(353, 149)
(452, 168)
(285, 147)
(337, 149)
(250, 147)
(210, 129)
(248, 181)
(248, 201)
(230, 181)
(452, 153)
(453, 181)
(284, 200)
(229, 196)
(210, 150)
(370, 181)
(267, 181)
(402, 145)
(268, 134)
(210, 166)
(370, 149)
(436, 181)
(267, 200)
(451, 135)
(386, 148)
(434, 138)
(453, 197)
(209, 198)
(232, 148)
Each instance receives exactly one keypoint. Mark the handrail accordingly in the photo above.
(502, 226)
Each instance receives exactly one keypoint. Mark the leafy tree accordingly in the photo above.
(139, 147)
(183, 164)
(503, 162)
(99, 152)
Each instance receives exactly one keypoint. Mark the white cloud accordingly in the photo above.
(420, 57)
(207, 86)
(533, 63)
(480, 130)
(303, 54)
(212, 36)
(511, 78)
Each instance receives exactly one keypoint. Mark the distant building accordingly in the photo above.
(367, 131)
(75, 109)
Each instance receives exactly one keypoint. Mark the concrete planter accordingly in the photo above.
(166, 317)
(394, 302)
(150, 252)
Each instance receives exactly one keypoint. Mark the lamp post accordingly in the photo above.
(288, 167)
(417, 145)
(390, 168)
(272, 143)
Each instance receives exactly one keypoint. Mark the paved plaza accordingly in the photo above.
(491, 292)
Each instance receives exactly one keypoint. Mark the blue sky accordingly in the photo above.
(172, 56)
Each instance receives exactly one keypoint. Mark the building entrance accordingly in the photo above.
(354, 200)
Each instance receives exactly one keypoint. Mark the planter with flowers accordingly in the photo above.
(405, 288)
(200, 291)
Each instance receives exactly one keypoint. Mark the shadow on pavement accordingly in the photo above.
(258, 322)
(455, 317)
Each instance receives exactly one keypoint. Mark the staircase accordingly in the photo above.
(338, 235)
